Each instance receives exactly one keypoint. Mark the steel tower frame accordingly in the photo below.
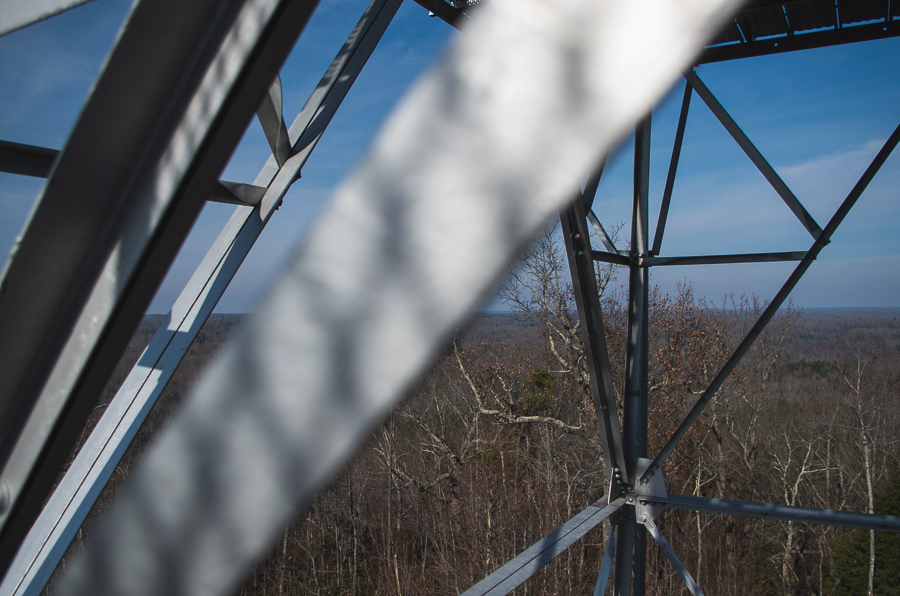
(58, 356)
(637, 493)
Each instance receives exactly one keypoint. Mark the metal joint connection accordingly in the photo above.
(650, 489)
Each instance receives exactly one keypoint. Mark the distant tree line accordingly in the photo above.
(497, 445)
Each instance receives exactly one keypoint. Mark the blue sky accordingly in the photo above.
(819, 116)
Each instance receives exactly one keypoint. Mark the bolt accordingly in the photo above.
(580, 253)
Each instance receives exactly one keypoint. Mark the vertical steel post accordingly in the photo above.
(635, 386)
(624, 550)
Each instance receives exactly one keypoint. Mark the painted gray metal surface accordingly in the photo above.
(31, 160)
(881, 29)
(593, 181)
(673, 558)
(584, 284)
(602, 233)
(764, 257)
(828, 517)
(673, 169)
(634, 392)
(609, 556)
(16, 14)
(635, 388)
(624, 552)
(70, 503)
(26, 160)
(647, 491)
(68, 307)
(612, 259)
(271, 119)
(514, 573)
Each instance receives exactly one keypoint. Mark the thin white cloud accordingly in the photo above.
(823, 182)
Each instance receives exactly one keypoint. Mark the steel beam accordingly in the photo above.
(609, 556)
(31, 160)
(625, 544)
(673, 558)
(69, 306)
(828, 517)
(26, 160)
(807, 41)
(511, 575)
(612, 259)
(635, 411)
(236, 193)
(673, 168)
(635, 386)
(17, 14)
(590, 187)
(271, 119)
(70, 503)
(761, 257)
(584, 284)
(753, 153)
(823, 239)
(604, 236)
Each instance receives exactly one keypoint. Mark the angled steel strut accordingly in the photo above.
(69, 306)
(85, 478)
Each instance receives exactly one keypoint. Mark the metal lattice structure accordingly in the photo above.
(61, 334)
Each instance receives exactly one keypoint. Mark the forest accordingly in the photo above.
(497, 445)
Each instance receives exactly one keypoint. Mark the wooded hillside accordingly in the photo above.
(497, 445)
